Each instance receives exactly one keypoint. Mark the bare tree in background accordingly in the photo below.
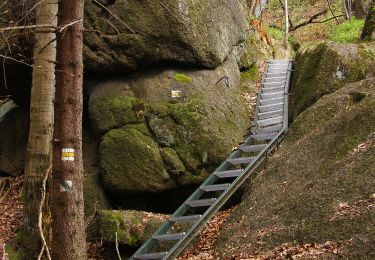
(68, 229)
(39, 148)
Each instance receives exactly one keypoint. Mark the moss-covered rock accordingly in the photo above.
(198, 125)
(132, 227)
(111, 111)
(322, 68)
(131, 162)
(190, 32)
(319, 185)
(172, 162)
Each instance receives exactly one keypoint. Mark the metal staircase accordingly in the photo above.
(270, 125)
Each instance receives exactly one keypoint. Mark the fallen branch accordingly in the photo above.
(117, 251)
(330, 9)
(309, 21)
(40, 217)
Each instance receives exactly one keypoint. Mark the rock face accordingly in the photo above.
(151, 141)
(13, 139)
(326, 67)
(200, 33)
(319, 185)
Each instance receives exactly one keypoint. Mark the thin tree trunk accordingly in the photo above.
(368, 32)
(68, 227)
(359, 9)
(39, 148)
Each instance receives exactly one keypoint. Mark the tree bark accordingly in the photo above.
(359, 9)
(368, 32)
(68, 229)
(39, 148)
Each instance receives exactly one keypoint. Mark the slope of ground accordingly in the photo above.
(318, 191)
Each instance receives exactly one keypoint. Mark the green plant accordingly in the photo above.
(347, 32)
(275, 33)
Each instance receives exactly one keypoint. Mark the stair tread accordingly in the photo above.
(270, 121)
(183, 219)
(200, 203)
(158, 255)
(241, 160)
(270, 114)
(229, 173)
(215, 187)
(269, 129)
(272, 107)
(253, 147)
(169, 237)
(271, 101)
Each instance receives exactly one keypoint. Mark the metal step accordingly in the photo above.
(270, 121)
(252, 148)
(270, 114)
(269, 108)
(185, 219)
(215, 187)
(240, 160)
(272, 84)
(276, 74)
(269, 129)
(158, 255)
(275, 80)
(271, 101)
(200, 203)
(229, 173)
(272, 95)
(272, 90)
(169, 237)
(263, 137)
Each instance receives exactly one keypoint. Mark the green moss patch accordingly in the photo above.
(131, 162)
(182, 78)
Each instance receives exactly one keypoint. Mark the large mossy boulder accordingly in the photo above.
(140, 33)
(180, 125)
(322, 68)
(317, 187)
(132, 227)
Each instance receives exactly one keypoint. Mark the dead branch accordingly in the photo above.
(3, 191)
(116, 244)
(309, 21)
(40, 217)
(111, 24)
(333, 14)
(24, 27)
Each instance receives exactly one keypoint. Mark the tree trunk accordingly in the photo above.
(359, 9)
(368, 32)
(68, 228)
(39, 148)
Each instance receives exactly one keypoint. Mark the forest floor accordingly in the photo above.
(10, 210)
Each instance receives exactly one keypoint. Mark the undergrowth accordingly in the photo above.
(347, 32)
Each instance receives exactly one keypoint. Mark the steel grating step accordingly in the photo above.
(275, 80)
(200, 203)
(169, 237)
(269, 108)
(269, 129)
(271, 101)
(272, 90)
(270, 114)
(185, 219)
(276, 74)
(148, 256)
(263, 137)
(252, 148)
(215, 187)
(270, 121)
(240, 160)
(272, 95)
(229, 173)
